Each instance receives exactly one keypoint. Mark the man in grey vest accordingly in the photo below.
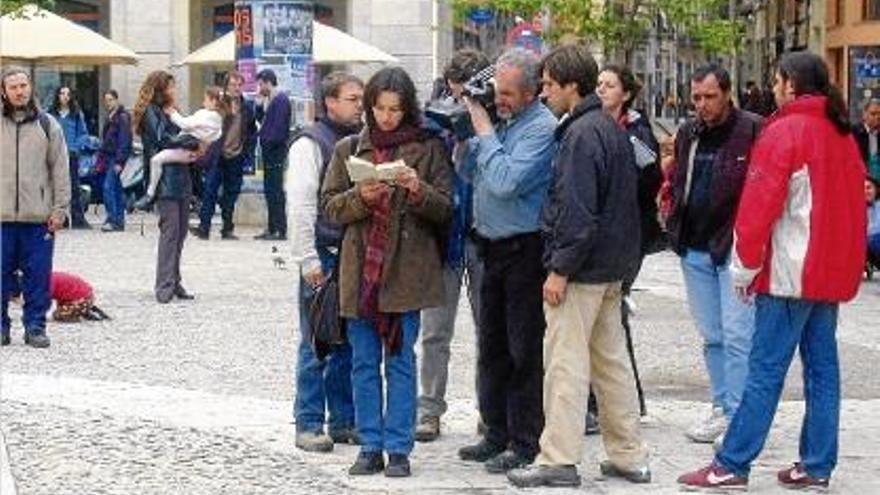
(321, 385)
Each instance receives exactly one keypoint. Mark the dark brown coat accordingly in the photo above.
(412, 276)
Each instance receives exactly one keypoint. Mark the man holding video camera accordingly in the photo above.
(509, 165)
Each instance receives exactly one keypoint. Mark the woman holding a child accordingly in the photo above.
(151, 121)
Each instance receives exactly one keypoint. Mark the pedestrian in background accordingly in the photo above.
(867, 134)
(712, 154)
(67, 112)
(158, 93)
(227, 160)
(114, 152)
(872, 198)
(509, 165)
(460, 265)
(800, 247)
(591, 231)
(323, 384)
(390, 264)
(33, 205)
(274, 115)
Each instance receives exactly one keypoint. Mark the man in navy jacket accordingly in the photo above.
(274, 116)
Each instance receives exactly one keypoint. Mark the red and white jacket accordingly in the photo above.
(801, 225)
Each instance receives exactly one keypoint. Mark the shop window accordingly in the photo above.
(871, 10)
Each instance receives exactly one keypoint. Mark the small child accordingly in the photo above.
(204, 126)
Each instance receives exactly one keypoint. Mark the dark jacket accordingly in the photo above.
(116, 139)
(412, 276)
(729, 174)
(157, 133)
(650, 180)
(275, 128)
(860, 132)
(591, 217)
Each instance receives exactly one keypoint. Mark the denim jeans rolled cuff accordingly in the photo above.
(783, 325)
(323, 388)
(388, 426)
(726, 325)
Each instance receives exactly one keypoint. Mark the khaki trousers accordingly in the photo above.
(585, 342)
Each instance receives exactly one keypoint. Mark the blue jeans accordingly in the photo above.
(726, 324)
(114, 199)
(781, 326)
(390, 428)
(321, 384)
(228, 174)
(27, 247)
(874, 247)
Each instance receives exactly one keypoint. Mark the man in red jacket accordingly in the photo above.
(800, 246)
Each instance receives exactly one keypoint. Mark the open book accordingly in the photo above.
(360, 170)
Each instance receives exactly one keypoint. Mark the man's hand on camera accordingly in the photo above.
(479, 117)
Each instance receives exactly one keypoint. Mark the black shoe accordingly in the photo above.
(347, 436)
(228, 236)
(5, 339)
(506, 461)
(480, 452)
(398, 466)
(37, 340)
(367, 463)
(145, 203)
(199, 232)
(182, 294)
(641, 475)
(81, 226)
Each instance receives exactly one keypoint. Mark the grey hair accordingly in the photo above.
(524, 60)
(871, 101)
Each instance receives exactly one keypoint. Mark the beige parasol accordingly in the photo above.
(331, 46)
(36, 36)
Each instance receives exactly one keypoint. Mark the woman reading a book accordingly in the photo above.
(390, 261)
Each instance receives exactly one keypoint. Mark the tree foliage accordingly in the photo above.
(624, 24)
(11, 6)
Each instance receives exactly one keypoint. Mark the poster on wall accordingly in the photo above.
(277, 35)
(864, 78)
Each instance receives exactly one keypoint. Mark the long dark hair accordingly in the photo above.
(809, 75)
(152, 92)
(395, 80)
(628, 82)
(73, 105)
(32, 107)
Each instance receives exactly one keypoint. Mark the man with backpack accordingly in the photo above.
(35, 194)
(321, 384)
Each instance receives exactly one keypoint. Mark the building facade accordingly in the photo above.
(853, 49)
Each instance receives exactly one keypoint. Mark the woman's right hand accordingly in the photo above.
(371, 191)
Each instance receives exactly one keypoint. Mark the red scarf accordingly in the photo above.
(387, 324)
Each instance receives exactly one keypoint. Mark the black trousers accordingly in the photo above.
(510, 340)
(273, 189)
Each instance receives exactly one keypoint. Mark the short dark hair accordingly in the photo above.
(395, 80)
(113, 93)
(233, 74)
(628, 82)
(464, 64)
(572, 64)
(332, 83)
(720, 73)
(871, 101)
(268, 75)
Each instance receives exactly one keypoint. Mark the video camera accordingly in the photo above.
(454, 115)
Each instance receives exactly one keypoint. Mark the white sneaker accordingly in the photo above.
(710, 429)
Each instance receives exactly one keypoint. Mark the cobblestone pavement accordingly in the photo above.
(195, 397)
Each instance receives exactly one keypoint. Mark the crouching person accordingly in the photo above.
(74, 299)
(591, 241)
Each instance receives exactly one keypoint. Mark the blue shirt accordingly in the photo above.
(874, 219)
(511, 172)
(74, 127)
